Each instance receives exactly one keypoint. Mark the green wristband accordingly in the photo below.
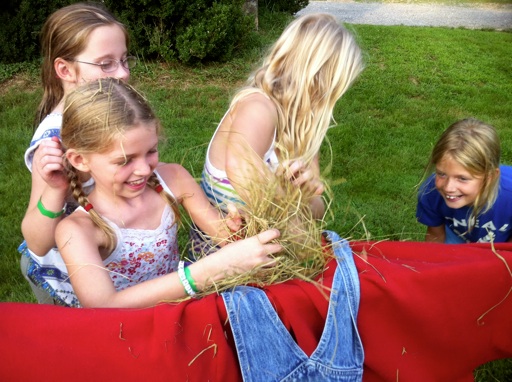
(190, 280)
(47, 213)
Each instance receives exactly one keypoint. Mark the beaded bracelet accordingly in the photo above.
(183, 279)
(47, 213)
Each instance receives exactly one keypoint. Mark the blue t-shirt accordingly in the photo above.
(494, 225)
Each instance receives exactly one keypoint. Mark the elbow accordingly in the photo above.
(35, 246)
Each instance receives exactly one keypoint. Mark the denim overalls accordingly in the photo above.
(266, 350)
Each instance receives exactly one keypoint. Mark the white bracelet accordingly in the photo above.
(183, 279)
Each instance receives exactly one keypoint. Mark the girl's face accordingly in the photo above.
(458, 186)
(124, 169)
(105, 42)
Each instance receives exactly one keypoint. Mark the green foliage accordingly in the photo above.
(7, 71)
(191, 31)
(287, 6)
(220, 27)
(21, 21)
(188, 30)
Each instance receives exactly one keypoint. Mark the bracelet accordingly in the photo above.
(50, 214)
(183, 279)
(190, 279)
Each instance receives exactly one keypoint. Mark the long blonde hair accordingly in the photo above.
(95, 116)
(65, 34)
(475, 145)
(307, 70)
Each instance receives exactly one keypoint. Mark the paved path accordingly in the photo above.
(497, 17)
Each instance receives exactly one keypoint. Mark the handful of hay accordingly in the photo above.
(275, 202)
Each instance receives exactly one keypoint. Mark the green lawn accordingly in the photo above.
(418, 80)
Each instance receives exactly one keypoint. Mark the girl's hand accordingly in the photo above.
(240, 257)
(234, 219)
(49, 164)
(305, 177)
(245, 255)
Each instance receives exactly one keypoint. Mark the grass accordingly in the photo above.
(418, 80)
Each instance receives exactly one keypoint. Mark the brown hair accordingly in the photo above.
(65, 34)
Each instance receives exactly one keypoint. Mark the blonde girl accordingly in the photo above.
(469, 196)
(280, 118)
(120, 245)
(80, 42)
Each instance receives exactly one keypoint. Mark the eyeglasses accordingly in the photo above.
(110, 65)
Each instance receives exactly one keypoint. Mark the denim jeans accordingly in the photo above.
(265, 348)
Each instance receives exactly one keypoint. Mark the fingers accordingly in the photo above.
(48, 152)
(269, 248)
(268, 235)
(49, 164)
(302, 176)
(290, 169)
(233, 218)
(233, 212)
(295, 169)
(318, 188)
(48, 161)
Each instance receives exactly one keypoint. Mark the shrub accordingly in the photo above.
(188, 30)
(191, 31)
(215, 35)
(20, 24)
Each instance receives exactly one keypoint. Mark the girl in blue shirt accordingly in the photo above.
(469, 196)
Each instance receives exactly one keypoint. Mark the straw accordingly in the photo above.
(275, 202)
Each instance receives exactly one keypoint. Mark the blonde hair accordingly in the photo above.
(95, 116)
(65, 34)
(307, 70)
(475, 145)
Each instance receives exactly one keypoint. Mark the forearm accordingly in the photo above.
(149, 293)
(144, 295)
(38, 229)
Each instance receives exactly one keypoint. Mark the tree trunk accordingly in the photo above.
(251, 8)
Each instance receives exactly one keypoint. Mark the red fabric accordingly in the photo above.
(418, 319)
(420, 309)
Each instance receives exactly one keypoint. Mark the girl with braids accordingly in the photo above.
(80, 42)
(120, 244)
(280, 118)
(469, 197)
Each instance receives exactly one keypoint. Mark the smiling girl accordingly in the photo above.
(120, 245)
(469, 197)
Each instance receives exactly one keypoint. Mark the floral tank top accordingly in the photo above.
(142, 255)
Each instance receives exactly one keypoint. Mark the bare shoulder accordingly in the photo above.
(257, 104)
(177, 178)
(254, 120)
(171, 171)
(79, 226)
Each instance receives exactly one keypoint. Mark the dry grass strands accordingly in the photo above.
(275, 202)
